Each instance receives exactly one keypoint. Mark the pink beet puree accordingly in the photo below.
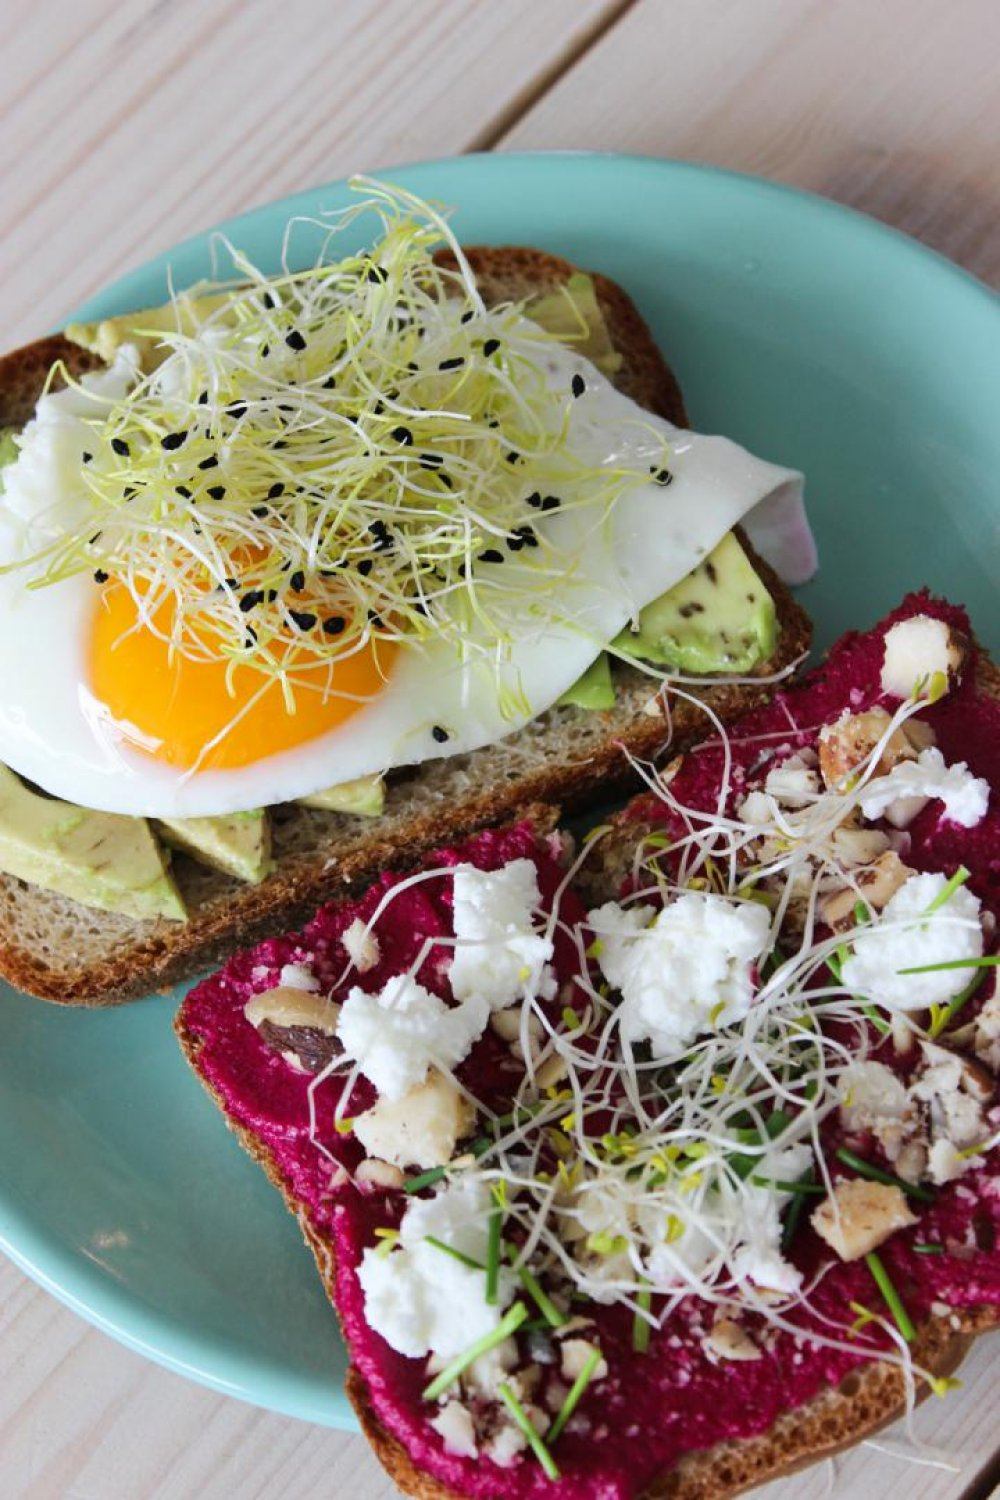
(652, 1408)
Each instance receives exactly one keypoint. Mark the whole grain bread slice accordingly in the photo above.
(60, 950)
(867, 1399)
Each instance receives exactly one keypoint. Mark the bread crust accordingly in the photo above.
(62, 951)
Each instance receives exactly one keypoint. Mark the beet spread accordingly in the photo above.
(652, 1408)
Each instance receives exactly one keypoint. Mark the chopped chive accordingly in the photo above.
(426, 1179)
(535, 1443)
(990, 961)
(576, 1390)
(640, 1325)
(544, 1303)
(789, 1187)
(794, 1214)
(868, 1010)
(948, 890)
(948, 1012)
(928, 1249)
(493, 1255)
(876, 1174)
(459, 1255)
(890, 1296)
(508, 1324)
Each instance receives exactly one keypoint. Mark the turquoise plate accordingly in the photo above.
(813, 335)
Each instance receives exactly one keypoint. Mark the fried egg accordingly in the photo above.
(96, 708)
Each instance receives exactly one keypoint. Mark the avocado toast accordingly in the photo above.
(690, 1176)
(186, 892)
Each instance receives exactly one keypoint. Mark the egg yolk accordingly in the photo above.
(207, 714)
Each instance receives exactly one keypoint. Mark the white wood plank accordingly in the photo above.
(892, 108)
(129, 126)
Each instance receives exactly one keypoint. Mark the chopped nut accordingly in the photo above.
(422, 1128)
(380, 1174)
(575, 1354)
(455, 1425)
(552, 1071)
(844, 744)
(283, 1006)
(361, 946)
(916, 651)
(874, 884)
(860, 1215)
(858, 846)
(730, 1340)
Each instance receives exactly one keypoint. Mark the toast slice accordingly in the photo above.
(60, 950)
(835, 1415)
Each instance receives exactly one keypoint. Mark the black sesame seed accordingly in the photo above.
(209, 463)
(100, 576)
(120, 446)
(232, 583)
(183, 491)
(276, 490)
(88, 458)
(664, 477)
(490, 347)
(466, 317)
(217, 491)
(329, 382)
(491, 555)
(271, 595)
(439, 734)
(378, 408)
(534, 500)
(431, 461)
(402, 435)
(515, 542)
(203, 399)
(280, 444)
(334, 625)
(512, 457)
(267, 299)
(129, 492)
(265, 350)
(377, 275)
(413, 367)
(260, 511)
(446, 480)
(250, 638)
(236, 409)
(578, 385)
(285, 406)
(383, 539)
(302, 619)
(374, 618)
(551, 502)
(297, 582)
(522, 536)
(295, 339)
(365, 566)
(493, 422)
(95, 538)
(453, 363)
(251, 599)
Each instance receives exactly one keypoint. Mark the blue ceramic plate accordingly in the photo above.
(814, 336)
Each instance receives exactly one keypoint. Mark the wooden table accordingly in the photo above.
(129, 124)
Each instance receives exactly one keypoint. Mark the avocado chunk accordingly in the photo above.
(573, 315)
(594, 689)
(99, 859)
(364, 797)
(238, 844)
(184, 315)
(720, 618)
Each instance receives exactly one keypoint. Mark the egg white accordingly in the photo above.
(53, 732)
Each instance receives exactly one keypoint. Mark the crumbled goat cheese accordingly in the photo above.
(682, 970)
(396, 1035)
(422, 1300)
(730, 1340)
(361, 946)
(422, 1128)
(793, 783)
(455, 1425)
(955, 1091)
(916, 651)
(905, 936)
(860, 1215)
(298, 977)
(498, 954)
(914, 782)
(573, 1357)
(875, 1101)
(757, 1214)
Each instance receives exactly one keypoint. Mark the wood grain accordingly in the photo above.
(128, 124)
(891, 108)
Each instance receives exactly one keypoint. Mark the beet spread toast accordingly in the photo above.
(663, 1166)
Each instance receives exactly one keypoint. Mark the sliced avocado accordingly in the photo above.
(185, 314)
(364, 797)
(238, 844)
(594, 689)
(8, 450)
(97, 858)
(720, 618)
(574, 315)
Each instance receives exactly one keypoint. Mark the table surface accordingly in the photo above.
(129, 124)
